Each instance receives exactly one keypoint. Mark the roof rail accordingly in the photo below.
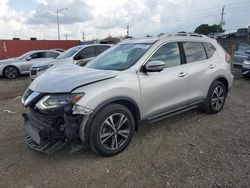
(183, 34)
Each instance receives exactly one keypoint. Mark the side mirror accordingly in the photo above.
(82, 63)
(78, 57)
(28, 58)
(155, 66)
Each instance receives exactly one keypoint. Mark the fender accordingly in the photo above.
(87, 125)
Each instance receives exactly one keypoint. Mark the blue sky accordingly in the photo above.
(23, 5)
(101, 18)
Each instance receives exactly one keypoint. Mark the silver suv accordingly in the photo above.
(137, 81)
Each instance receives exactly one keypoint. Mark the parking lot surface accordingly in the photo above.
(193, 149)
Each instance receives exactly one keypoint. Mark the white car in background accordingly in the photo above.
(79, 55)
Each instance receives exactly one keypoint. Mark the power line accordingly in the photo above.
(208, 10)
(180, 19)
(171, 21)
(213, 11)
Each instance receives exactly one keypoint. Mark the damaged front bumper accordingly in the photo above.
(51, 133)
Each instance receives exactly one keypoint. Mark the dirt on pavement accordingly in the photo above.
(193, 149)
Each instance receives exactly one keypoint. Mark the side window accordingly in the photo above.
(87, 52)
(51, 54)
(210, 49)
(100, 49)
(38, 55)
(194, 51)
(168, 53)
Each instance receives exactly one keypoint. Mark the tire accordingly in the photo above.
(11, 72)
(216, 98)
(107, 138)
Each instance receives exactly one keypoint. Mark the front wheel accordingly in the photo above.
(216, 98)
(112, 130)
(10, 72)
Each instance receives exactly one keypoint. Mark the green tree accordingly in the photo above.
(206, 29)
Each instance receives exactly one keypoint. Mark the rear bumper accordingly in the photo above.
(50, 134)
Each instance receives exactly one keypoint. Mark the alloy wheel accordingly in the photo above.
(218, 98)
(11, 72)
(115, 131)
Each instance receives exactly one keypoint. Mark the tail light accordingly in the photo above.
(227, 57)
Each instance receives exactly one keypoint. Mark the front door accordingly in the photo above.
(166, 90)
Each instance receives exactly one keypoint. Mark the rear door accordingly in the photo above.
(202, 66)
(101, 48)
(166, 90)
(35, 57)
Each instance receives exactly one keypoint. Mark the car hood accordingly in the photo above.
(6, 61)
(68, 77)
(51, 62)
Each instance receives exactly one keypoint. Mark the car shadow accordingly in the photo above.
(168, 124)
(19, 78)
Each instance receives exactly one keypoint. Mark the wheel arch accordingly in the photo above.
(10, 66)
(223, 80)
(125, 101)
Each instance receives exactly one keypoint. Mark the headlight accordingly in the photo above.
(57, 101)
(44, 67)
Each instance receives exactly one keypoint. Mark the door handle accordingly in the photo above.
(211, 66)
(182, 74)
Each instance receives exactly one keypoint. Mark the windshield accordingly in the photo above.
(120, 57)
(68, 53)
(25, 55)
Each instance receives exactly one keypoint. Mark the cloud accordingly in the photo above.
(99, 18)
(10, 20)
(77, 11)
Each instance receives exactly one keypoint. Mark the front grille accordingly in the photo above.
(33, 72)
(52, 121)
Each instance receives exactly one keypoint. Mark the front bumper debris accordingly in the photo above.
(46, 146)
(51, 133)
(245, 72)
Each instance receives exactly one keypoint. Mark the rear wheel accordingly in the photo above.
(112, 130)
(216, 98)
(10, 72)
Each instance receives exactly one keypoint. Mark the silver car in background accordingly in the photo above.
(79, 55)
(242, 51)
(136, 82)
(13, 67)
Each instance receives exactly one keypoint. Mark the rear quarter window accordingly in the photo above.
(210, 49)
(194, 51)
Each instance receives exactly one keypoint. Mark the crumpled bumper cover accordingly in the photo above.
(45, 136)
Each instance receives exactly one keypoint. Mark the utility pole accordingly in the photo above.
(83, 36)
(57, 19)
(66, 36)
(127, 30)
(222, 16)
